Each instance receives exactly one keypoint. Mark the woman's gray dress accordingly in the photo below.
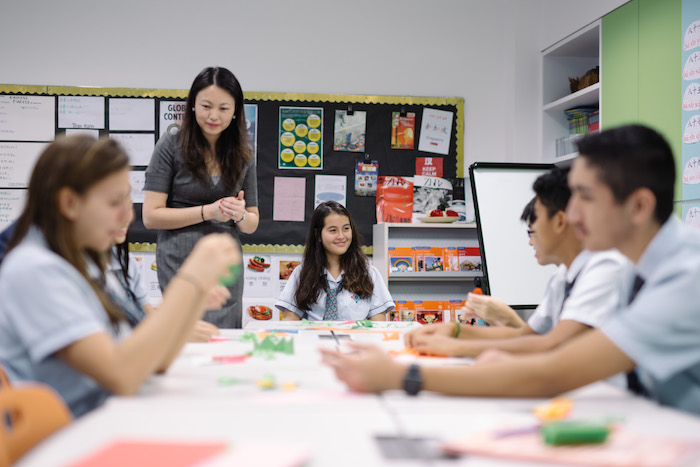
(167, 173)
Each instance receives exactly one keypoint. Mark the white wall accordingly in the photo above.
(486, 51)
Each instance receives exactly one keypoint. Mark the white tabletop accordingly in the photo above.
(310, 415)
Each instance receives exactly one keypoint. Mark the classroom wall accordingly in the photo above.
(486, 51)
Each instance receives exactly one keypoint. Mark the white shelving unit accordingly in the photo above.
(439, 285)
(570, 57)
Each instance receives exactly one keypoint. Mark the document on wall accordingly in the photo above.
(138, 180)
(331, 188)
(435, 131)
(27, 118)
(289, 199)
(11, 205)
(139, 146)
(17, 162)
(132, 114)
(81, 112)
(82, 131)
(691, 215)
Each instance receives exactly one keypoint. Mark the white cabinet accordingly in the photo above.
(437, 285)
(571, 57)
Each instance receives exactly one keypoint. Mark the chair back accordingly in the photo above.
(29, 413)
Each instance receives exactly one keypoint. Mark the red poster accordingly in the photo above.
(394, 199)
(429, 166)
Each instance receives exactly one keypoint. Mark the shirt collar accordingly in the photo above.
(329, 278)
(577, 265)
(658, 249)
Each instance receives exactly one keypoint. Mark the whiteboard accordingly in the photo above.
(511, 272)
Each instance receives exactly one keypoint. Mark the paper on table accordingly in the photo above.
(151, 453)
(289, 199)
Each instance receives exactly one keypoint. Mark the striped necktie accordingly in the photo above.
(331, 311)
(633, 382)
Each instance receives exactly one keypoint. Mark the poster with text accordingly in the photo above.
(330, 188)
(435, 131)
(81, 112)
(691, 215)
(11, 206)
(350, 131)
(301, 138)
(366, 173)
(394, 202)
(17, 163)
(429, 166)
(27, 118)
(258, 275)
(171, 116)
(690, 82)
(403, 130)
(287, 264)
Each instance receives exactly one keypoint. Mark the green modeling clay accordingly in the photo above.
(232, 277)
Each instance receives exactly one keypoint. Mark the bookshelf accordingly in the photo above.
(437, 285)
(571, 57)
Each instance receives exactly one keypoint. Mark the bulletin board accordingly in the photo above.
(17, 102)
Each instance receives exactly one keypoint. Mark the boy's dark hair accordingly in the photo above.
(528, 216)
(631, 157)
(552, 190)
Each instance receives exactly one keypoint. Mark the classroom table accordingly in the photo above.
(212, 393)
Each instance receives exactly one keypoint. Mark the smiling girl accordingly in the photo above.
(335, 280)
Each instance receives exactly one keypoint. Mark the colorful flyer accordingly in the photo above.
(349, 132)
(301, 138)
(429, 166)
(394, 199)
(435, 131)
(403, 130)
(366, 177)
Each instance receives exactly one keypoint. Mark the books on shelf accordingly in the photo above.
(433, 259)
(425, 311)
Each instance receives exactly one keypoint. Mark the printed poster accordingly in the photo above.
(366, 177)
(429, 166)
(258, 275)
(171, 116)
(301, 138)
(394, 199)
(350, 131)
(258, 310)
(331, 188)
(286, 267)
(690, 160)
(429, 194)
(403, 130)
(132, 114)
(139, 146)
(146, 261)
(138, 181)
(435, 131)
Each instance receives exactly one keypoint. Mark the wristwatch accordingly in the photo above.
(241, 219)
(413, 382)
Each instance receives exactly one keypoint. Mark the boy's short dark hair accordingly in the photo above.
(552, 190)
(528, 216)
(631, 157)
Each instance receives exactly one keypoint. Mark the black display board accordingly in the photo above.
(286, 236)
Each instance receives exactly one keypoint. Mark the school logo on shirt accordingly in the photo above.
(356, 298)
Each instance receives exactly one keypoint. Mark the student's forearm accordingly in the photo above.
(164, 218)
(378, 317)
(489, 332)
(517, 345)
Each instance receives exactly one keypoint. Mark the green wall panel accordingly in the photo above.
(641, 67)
(619, 65)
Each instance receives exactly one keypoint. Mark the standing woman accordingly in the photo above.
(203, 180)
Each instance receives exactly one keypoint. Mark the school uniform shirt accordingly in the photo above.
(660, 329)
(595, 280)
(350, 305)
(134, 279)
(47, 305)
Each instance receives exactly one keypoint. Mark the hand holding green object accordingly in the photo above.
(231, 278)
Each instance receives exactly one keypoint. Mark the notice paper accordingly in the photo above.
(132, 114)
(27, 118)
(17, 162)
(81, 112)
(289, 199)
(139, 146)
